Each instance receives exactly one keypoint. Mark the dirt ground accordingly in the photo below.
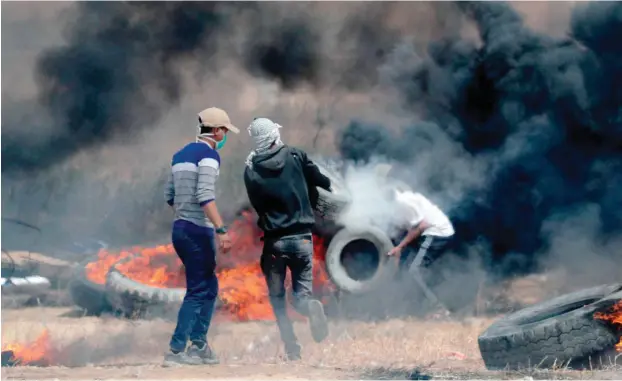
(108, 348)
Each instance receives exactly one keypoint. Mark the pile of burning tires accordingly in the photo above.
(122, 295)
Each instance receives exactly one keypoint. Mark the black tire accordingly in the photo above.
(555, 332)
(137, 300)
(330, 204)
(88, 295)
(339, 273)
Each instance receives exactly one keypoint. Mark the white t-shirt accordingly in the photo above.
(414, 208)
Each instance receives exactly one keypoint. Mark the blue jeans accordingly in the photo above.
(196, 248)
(296, 253)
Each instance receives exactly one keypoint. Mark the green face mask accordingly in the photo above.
(221, 143)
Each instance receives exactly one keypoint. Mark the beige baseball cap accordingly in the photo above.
(216, 117)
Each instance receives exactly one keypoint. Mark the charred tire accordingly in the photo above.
(86, 294)
(554, 332)
(134, 299)
(330, 204)
(341, 273)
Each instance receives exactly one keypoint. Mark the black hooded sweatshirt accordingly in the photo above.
(281, 189)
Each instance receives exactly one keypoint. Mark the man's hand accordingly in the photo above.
(224, 242)
(396, 251)
(412, 234)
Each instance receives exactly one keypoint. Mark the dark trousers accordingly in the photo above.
(196, 248)
(417, 259)
(296, 253)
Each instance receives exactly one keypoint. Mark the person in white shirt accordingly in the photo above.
(429, 234)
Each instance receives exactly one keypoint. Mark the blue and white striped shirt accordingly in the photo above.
(192, 182)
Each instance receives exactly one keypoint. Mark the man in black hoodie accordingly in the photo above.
(279, 180)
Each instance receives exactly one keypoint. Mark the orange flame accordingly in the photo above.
(96, 271)
(613, 316)
(242, 286)
(155, 266)
(39, 352)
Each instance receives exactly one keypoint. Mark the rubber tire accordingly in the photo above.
(330, 204)
(134, 300)
(137, 300)
(387, 268)
(529, 338)
(88, 295)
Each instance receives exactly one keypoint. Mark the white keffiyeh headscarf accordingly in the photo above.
(264, 132)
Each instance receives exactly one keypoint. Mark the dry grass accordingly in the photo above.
(351, 344)
(107, 348)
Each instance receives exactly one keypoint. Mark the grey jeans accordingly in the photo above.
(427, 249)
(296, 253)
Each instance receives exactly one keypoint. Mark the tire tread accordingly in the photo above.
(572, 336)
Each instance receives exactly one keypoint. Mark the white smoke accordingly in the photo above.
(370, 205)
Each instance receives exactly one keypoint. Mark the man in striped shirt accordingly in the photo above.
(191, 191)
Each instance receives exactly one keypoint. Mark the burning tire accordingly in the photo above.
(329, 204)
(134, 299)
(87, 294)
(355, 259)
(553, 332)
(137, 300)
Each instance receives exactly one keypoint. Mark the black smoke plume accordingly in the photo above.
(543, 113)
(119, 57)
(541, 117)
(120, 69)
(289, 57)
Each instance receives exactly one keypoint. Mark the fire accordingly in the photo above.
(244, 292)
(242, 287)
(154, 266)
(613, 316)
(39, 352)
(96, 271)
